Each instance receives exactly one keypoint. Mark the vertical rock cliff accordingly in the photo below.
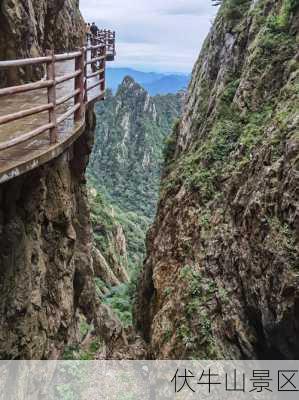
(221, 278)
(47, 279)
(110, 253)
(45, 259)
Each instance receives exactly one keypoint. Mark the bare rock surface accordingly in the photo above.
(45, 259)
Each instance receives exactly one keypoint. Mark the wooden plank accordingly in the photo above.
(68, 113)
(67, 77)
(64, 99)
(30, 159)
(25, 88)
(24, 61)
(94, 73)
(94, 60)
(98, 97)
(95, 47)
(26, 113)
(93, 86)
(24, 138)
(67, 56)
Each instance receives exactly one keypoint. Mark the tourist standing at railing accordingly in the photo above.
(94, 29)
(88, 31)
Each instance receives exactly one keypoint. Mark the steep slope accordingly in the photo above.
(221, 277)
(110, 250)
(128, 149)
(131, 127)
(47, 275)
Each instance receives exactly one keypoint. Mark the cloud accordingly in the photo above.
(159, 35)
(186, 7)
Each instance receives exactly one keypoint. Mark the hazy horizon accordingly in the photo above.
(147, 31)
(148, 71)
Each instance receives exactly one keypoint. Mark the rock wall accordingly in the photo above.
(29, 27)
(46, 269)
(221, 278)
(110, 255)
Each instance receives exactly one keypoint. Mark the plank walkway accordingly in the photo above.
(24, 156)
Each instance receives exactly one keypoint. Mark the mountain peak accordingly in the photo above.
(129, 83)
(128, 80)
(129, 87)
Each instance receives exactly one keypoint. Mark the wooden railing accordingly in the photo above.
(108, 37)
(93, 55)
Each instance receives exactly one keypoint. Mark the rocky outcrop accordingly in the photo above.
(110, 254)
(221, 277)
(45, 259)
(112, 268)
(29, 27)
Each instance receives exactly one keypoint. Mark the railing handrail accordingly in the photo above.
(24, 61)
(100, 50)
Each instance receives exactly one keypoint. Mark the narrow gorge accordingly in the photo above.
(169, 229)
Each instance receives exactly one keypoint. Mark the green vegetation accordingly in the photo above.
(196, 329)
(128, 150)
(124, 171)
(211, 160)
(282, 234)
(105, 215)
(121, 299)
(105, 218)
(76, 352)
(280, 23)
(235, 9)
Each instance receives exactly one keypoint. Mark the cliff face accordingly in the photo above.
(48, 263)
(221, 277)
(29, 27)
(110, 248)
(45, 259)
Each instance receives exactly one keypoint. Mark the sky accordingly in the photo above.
(154, 35)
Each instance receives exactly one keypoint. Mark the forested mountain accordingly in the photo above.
(124, 175)
(128, 151)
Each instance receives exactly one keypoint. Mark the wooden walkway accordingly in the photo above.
(40, 120)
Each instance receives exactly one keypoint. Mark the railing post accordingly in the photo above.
(85, 51)
(102, 76)
(94, 53)
(52, 96)
(114, 43)
(79, 84)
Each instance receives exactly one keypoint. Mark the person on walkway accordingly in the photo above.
(94, 29)
(88, 31)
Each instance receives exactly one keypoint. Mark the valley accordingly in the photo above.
(167, 227)
(123, 178)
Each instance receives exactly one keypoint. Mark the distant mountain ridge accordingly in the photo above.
(154, 83)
